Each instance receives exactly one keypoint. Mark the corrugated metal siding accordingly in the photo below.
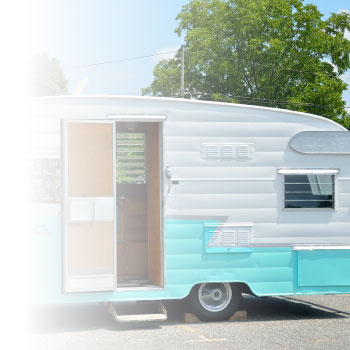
(200, 193)
(252, 192)
(188, 264)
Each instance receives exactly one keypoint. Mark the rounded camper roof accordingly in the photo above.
(101, 99)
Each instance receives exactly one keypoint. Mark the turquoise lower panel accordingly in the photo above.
(323, 268)
(267, 271)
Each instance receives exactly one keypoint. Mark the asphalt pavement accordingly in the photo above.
(303, 322)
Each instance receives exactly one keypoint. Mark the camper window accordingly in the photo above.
(131, 158)
(308, 191)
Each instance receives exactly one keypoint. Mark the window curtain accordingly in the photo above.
(321, 184)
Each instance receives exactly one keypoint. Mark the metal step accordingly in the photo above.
(137, 311)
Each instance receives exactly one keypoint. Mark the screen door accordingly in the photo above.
(89, 206)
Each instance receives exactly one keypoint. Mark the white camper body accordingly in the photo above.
(149, 198)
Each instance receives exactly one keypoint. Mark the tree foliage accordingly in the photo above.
(279, 53)
(46, 77)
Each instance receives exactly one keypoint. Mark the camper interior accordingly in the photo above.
(138, 204)
(114, 197)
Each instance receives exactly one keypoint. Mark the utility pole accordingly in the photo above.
(182, 88)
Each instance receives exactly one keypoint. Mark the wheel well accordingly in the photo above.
(241, 286)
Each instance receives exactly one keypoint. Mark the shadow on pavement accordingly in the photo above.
(287, 308)
(74, 318)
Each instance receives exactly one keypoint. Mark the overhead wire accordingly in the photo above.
(196, 51)
(242, 98)
(118, 61)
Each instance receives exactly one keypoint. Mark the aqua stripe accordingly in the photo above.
(268, 271)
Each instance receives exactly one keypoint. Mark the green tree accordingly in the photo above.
(46, 77)
(279, 53)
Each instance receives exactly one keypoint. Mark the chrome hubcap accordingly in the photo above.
(216, 294)
(214, 297)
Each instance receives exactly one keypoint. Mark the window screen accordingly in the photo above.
(308, 191)
(131, 158)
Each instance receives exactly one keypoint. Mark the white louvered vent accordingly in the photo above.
(214, 239)
(228, 151)
(227, 237)
(244, 238)
(212, 151)
(243, 151)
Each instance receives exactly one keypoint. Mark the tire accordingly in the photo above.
(214, 301)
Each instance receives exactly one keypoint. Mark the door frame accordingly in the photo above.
(160, 119)
(111, 119)
(66, 207)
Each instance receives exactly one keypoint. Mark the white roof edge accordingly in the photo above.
(180, 100)
(138, 117)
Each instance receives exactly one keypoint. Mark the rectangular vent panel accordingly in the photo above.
(226, 238)
(227, 151)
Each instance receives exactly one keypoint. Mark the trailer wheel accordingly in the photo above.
(215, 301)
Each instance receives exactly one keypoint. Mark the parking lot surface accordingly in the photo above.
(303, 322)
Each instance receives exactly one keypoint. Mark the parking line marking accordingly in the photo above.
(325, 341)
(202, 337)
(200, 340)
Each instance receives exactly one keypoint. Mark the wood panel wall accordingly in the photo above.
(90, 174)
(90, 248)
(153, 204)
(90, 160)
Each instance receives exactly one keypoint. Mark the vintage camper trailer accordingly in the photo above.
(137, 198)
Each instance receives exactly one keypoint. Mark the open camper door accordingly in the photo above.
(139, 209)
(89, 206)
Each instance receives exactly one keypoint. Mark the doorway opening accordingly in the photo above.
(138, 192)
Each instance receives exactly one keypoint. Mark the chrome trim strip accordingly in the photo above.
(321, 247)
(308, 171)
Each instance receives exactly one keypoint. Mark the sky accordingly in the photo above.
(82, 32)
